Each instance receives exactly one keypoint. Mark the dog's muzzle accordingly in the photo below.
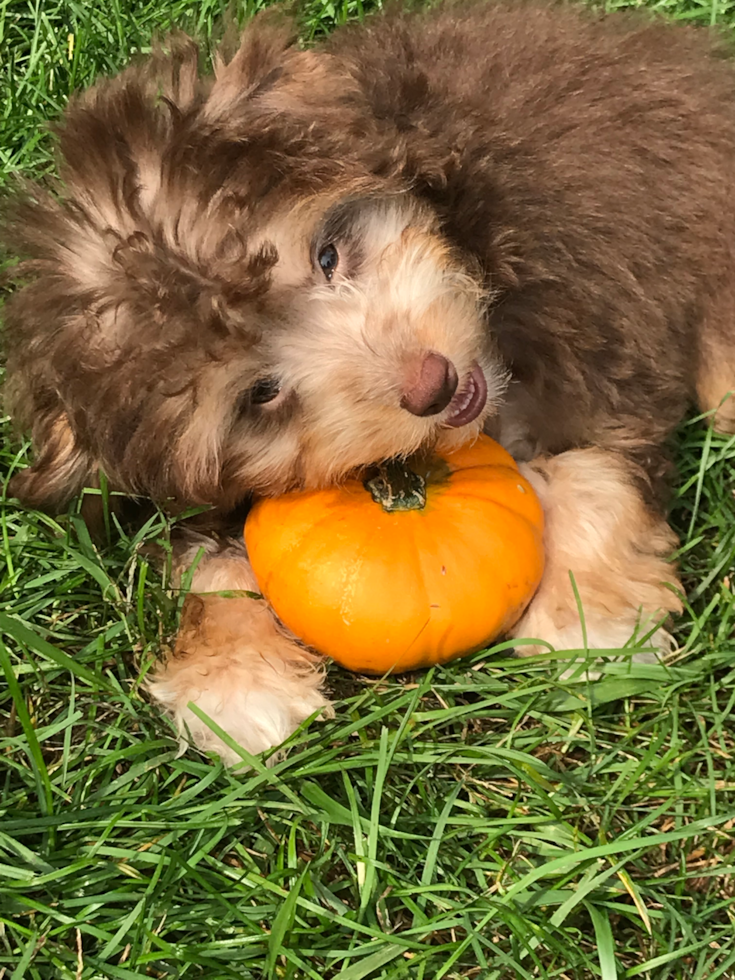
(434, 389)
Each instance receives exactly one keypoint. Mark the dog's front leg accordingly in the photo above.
(234, 661)
(601, 534)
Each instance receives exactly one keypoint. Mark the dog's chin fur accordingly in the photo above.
(267, 277)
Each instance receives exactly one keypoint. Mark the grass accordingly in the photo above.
(483, 820)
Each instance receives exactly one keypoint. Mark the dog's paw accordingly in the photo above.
(231, 661)
(628, 638)
(258, 715)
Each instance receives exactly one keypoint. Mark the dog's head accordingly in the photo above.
(223, 296)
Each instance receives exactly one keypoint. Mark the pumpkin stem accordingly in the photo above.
(395, 486)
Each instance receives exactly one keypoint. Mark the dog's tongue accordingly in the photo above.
(469, 400)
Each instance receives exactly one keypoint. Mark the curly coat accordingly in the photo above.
(538, 196)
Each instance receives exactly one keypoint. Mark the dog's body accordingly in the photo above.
(516, 217)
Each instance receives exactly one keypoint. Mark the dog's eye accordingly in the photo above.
(265, 391)
(328, 261)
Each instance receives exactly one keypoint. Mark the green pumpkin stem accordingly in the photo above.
(395, 486)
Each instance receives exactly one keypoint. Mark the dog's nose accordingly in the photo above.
(432, 387)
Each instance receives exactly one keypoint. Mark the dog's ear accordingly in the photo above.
(60, 471)
(113, 138)
(268, 72)
(247, 64)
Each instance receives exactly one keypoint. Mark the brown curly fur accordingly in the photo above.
(537, 189)
(588, 162)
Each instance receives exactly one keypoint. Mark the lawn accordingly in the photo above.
(484, 820)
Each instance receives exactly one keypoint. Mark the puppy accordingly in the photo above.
(513, 217)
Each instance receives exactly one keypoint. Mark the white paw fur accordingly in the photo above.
(600, 533)
(234, 661)
(257, 697)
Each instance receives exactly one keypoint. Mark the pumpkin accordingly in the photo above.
(415, 565)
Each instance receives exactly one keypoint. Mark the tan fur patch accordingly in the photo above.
(61, 468)
(599, 531)
(716, 383)
(234, 661)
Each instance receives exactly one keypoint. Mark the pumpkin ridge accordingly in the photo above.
(440, 640)
(498, 473)
(498, 503)
(297, 546)
(424, 588)
(351, 583)
(459, 537)
(407, 650)
(518, 523)
(494, 454)
(485, 466)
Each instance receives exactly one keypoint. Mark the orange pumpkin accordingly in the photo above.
(448, 566)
